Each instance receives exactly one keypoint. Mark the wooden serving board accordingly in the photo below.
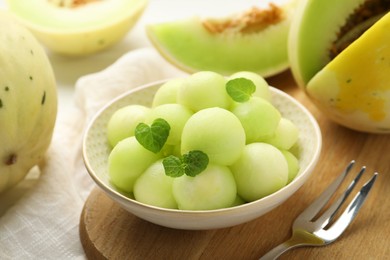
(109, 232)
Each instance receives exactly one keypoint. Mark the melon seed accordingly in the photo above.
(358, 22)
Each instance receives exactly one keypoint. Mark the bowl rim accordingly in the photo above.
(271, 199)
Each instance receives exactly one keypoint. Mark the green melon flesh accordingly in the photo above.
(190, 46)
(313, 29)
(352, 88)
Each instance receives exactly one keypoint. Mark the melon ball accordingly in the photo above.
(213, 188)
(202, 90)
(260, 171)
(216, 132)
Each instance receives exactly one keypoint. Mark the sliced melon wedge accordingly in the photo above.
(354, 88)
(253, 41)
(339, 54)
(73, 27)
(313, 29)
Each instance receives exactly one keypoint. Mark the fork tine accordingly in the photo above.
(311, 211)
(349, 213)
(328, 215)
(313, 233)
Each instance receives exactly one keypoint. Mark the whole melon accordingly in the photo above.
(28, 102)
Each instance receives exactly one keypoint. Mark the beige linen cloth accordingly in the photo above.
(43, 224)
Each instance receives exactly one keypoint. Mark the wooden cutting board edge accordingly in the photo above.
(86, 236)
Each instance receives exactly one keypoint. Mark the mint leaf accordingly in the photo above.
(190, 164)
(173, 166)
(154, 137)
(240, 89)
(195, 162)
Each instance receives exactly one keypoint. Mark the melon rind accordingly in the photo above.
(314, 27)
(28, 102)
(191, 47)
(354, 88)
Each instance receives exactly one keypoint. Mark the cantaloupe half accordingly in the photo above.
(78, 27)
(255, 40)
(345, 72)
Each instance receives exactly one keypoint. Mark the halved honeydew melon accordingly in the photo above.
(253, 41)
(78, 27)
(351, 83)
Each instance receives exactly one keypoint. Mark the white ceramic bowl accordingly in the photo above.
(96, 151)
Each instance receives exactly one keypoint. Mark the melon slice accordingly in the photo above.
(252, 41)
(345, 72)
(313, 30)
(74, 27)
(354, 88)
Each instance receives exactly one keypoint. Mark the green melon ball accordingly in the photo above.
(154, 187)
(213, 188)
(260, 171)
(127, 161)
(167, 93)
(176, 115)
(174, 150)
(258, 117)
(202, 90)
(286, 135)
(216, 132)
(238, 201)
(123, 122)
(168, 149)
(293, 164)
(262, 87)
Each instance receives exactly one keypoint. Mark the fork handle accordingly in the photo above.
(280, 249)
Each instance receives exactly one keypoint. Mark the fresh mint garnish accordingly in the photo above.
(191, 164)
(195, 161)
(153, 137)
(240, 89)
(173, 166)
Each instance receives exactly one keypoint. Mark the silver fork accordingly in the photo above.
(310, 230)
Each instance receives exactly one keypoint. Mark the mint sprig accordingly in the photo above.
(240, 89)
(190, 164)
(153, 137)
(173, 166)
